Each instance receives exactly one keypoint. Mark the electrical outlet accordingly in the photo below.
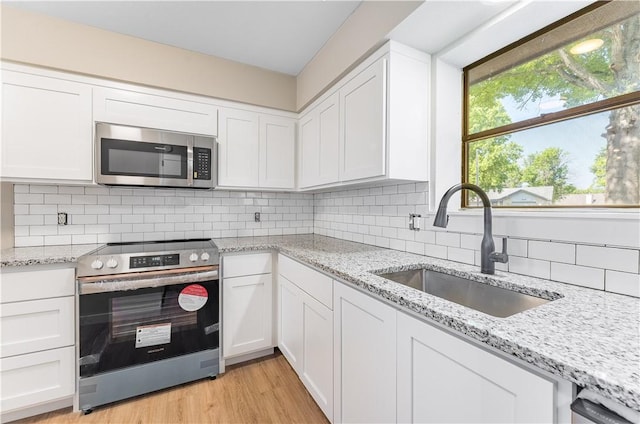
(414, 221)
(62, 218)
(256, 216)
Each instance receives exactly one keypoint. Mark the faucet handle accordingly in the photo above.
(501, 257)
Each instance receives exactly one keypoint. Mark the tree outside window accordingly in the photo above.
(554, 120)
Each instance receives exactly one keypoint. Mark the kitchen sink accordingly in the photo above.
(482, 297)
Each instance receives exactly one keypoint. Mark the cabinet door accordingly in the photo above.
(320, 144)
(46, 128)
(364, 358)
(290, 310)
(309, 145)
(443, 379)
(363, 107)
(36, 377)
(317, 350)
(247, 314)
(151, 111)
(239, 153)
(36, 325)
(329, 140)
(277, 152)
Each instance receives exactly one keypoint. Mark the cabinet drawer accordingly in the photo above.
(316, 284)
(29, 285)
(238, 265)
(37, 377)
(36, 325)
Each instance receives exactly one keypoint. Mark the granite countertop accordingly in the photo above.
(586, 336)
(589, 337)
(43, 255)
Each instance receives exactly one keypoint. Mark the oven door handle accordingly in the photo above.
(141, 283)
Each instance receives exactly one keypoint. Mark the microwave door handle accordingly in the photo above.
(190, 144)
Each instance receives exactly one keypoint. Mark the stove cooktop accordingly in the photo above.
(120, 258)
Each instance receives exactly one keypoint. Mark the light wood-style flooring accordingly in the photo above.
(264, 390)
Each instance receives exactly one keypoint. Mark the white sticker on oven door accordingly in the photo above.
(193, 297)
(152, 335)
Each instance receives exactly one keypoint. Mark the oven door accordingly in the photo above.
(124, 328)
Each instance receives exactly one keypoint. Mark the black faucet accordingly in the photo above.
(488, 256)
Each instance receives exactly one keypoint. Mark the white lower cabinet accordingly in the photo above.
(364, 358)
(37, 365)
(290, 310)
(305, 328)
(37, 377)
(247, 301)
(443, 379)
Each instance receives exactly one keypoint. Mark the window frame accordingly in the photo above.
(608, 104)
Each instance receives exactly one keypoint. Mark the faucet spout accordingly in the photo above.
(487, 246)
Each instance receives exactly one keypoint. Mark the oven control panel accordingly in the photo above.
(154, 261)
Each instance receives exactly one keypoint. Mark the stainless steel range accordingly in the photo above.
(149, 317)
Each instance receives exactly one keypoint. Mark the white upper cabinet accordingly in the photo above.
(256, 150)
(370, 126)
(46, 129)
(238, 154)
(277, 152)
(319, 144)
(133, 108)
(362, 141)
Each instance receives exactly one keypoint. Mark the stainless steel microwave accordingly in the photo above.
(146, 157)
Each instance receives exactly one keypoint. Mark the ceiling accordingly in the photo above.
(278, 35)
(282, 36)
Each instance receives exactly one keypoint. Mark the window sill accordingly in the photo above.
(565, 213)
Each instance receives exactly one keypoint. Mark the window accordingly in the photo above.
(554, 119)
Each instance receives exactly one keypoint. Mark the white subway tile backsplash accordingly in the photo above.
(43, 230)
(71, 189)
(448, 239)
(84, 238)
(517, 247)
(29, 241)
(533, 267)
(375, 215)
(435, 250)
(103, 214)
(53, 240)
(622, 282)
(556, 252)
(43, 189)
(29, 220)
(627, 260)
(36, 199)
(579, 275)
(457, 254)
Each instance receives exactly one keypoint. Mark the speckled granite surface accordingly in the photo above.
(586, 336)
(22, 256)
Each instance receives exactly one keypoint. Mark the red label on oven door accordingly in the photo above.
(193, 297)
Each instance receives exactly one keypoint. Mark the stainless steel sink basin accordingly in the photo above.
(482, 297)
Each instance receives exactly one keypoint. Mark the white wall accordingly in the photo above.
(110, 214)
(40, 40)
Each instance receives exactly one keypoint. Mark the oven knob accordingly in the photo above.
(193, 257)
(97, 264)
(112, 263)
(205, 256)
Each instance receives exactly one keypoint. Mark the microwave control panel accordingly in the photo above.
(201, 163)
